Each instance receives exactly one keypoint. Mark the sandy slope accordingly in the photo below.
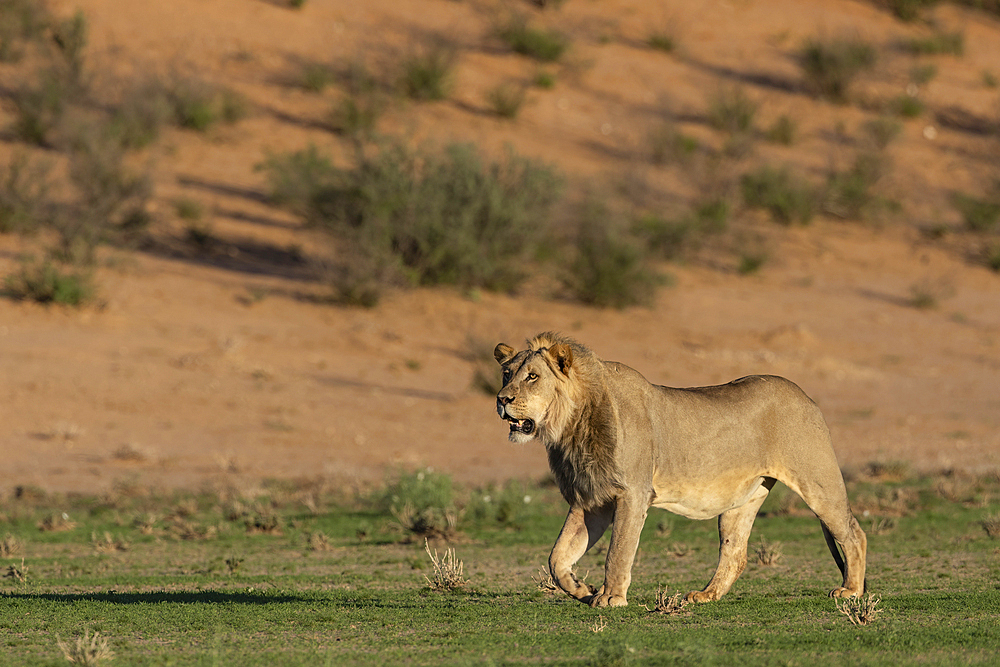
(213, 367)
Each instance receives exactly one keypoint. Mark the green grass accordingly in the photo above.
(427, 74)
(506, 99)
(195, 586)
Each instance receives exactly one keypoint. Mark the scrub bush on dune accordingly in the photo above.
(421, 216)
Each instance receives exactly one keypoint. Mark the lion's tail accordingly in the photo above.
(832, 543)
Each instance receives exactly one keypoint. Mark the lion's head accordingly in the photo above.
(539, 387)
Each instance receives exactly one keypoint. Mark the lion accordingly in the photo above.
(618, 445)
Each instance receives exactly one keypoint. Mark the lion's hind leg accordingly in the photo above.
(734, 533)
(840, 528)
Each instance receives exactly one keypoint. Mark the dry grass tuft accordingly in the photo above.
(87, 650)
(991, 524)
(10, 546)
(860, 610)
(670, 605)
(544, 581)
(108, 544)
(18, 574)
(768, 553)
(56, 522)
(599, 625)
(447, 570)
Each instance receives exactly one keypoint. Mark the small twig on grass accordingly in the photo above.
(544, 581)
(860, 610)
(670, 605)
(447, 570)
(599, 625)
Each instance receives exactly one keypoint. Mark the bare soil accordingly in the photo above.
(217, 366)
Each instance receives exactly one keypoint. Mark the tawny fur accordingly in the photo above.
(618, 445)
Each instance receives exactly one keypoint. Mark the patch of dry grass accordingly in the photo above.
(448, 570)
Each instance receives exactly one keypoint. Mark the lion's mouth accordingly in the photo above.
(525, 426)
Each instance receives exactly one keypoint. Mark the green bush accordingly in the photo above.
(543, 45)
(24, 204)
(424, 216)
(506, 100)
(831, 67)
(422, 501)
(427, 74)
(979, 215)
(21, 21)
(788, 199)
(782, 131)
(109, 202)
(609, 268)
(849, 194)
(731, 110)
(198, 105)
(144, 109)
(939, 43)
(39, 108)
(45, 282)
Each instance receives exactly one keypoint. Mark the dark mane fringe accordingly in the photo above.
(583, 458)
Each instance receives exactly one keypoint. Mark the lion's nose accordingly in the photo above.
(504, 400)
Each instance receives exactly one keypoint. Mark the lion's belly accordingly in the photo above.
(704, 501)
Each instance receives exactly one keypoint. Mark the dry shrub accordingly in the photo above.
(56, 522)
(860, 610)
(768, 553)
(87, 650)
(544, 581)
(318, 541)
(108, 544)
(18, 574)
(669, 605)
(447, 570)
(10, 546)
(991, 524)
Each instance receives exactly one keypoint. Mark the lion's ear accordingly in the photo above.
(563, 355)
(503, 353)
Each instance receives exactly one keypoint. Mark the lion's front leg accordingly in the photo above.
(579, 533)
(629, 516)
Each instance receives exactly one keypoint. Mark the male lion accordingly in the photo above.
(618, 445)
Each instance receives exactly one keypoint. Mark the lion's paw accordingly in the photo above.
(700, 596)
(608, 600)
(841, 592)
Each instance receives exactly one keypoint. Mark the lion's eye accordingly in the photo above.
(506, 375)
(532, 377)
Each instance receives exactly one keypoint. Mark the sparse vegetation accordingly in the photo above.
(448, 570)
(849, 194)
(506, 99)
(24, 202)
(609, 268)
(668, 605)
(543, 45)
(938, 43)
(768, 553)
(88, 650)
(783, 131)
(788, 199)
(830, 67)
(978, 215)
(427, 72)
(48, 282)
(662, 41)
(422, 217)
(860, 610)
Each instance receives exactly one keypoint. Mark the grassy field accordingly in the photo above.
(313, 576)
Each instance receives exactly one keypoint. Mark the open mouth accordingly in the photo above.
(525, 426)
